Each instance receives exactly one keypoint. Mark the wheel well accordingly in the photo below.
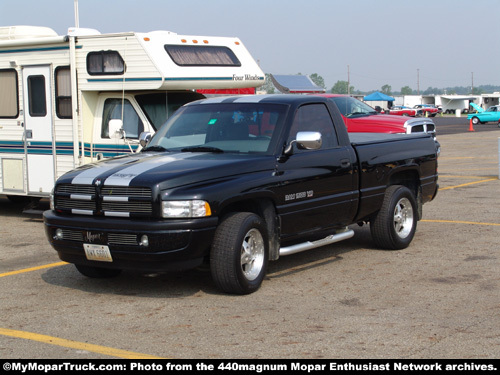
(265, 209)
(411, 180)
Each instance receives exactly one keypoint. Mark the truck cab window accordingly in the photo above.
(314, 118)
(132, 124)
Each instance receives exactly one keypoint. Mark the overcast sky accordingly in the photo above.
(433, 43)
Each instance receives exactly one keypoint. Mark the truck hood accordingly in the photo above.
(166, 169)
(376, 124)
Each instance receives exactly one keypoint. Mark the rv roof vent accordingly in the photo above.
(80, 31)
(25, 32)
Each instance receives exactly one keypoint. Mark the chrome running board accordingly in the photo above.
(347, 233)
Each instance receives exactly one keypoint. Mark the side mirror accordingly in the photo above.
(305, 141)
(144, 138)
(309, 140)
(116, 129)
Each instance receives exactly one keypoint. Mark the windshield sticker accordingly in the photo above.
(212, 121)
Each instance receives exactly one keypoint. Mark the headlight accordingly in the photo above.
(52, 203)
(185, 209)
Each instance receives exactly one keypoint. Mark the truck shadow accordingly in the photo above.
(192, 282)
(321, 256)
(134, 284)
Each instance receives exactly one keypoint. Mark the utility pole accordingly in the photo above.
(472, 86)
(348, 80)
(418, 81)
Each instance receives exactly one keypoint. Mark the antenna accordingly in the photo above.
(77, 21)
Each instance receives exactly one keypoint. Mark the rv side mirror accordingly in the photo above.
(144, 138)
(116, 129)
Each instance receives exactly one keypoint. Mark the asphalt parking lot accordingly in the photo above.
(439, 298)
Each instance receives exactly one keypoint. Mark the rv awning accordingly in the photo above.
(379, 97)
(296, 84)
(458, 97)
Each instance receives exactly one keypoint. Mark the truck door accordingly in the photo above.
(317, 188)
(38, 144)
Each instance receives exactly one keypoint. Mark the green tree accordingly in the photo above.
(387, 89)
(318, 80)
(341, 88)
(268, 86)
(406, 90)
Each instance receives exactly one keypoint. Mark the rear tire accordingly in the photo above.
(395, 224)
(97, 272)
(239, 253)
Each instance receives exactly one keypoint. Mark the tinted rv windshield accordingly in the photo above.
(158, 107)
(232, 128)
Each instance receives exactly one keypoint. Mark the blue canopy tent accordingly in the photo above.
(378, 97)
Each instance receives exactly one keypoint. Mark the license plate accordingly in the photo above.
(100, 253)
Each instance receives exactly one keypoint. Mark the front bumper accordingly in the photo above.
(171, 244)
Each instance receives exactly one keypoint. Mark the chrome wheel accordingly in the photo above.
(403, 218)
(239, 253)
(252, 254)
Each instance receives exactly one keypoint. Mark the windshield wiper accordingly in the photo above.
(154, 148)
(358, 113)
(202, 149)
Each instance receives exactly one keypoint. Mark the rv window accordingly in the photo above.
(37, 98)
(9, 106)
(202, 55)
(132, 124)
(63, 92)
(105, 62)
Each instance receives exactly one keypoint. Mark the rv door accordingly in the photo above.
(38, 140)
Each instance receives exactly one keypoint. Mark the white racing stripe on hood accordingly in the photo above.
(125, 176)
(87, 176)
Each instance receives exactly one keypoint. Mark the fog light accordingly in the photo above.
(144, 240)
(59, 234)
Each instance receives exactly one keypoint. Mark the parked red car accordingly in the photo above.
(361, 118)
(427, 110)
(401, 110)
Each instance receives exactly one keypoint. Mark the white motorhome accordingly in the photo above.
(58, 94)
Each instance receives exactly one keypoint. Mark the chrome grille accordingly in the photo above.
(71, 235)
(122, 239)
(66, 203)
(110, 200)
(136, 207)
(75, 189)
(126, 191)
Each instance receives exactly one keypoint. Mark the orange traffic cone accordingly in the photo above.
(471, 127)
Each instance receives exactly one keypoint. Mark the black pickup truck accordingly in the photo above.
(237, 182)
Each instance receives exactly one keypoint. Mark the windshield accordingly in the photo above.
(158, 107)
(230, 127)
(349, 106)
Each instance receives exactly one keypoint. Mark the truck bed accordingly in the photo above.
(366, 138)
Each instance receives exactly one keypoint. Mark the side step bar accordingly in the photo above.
(348, 233)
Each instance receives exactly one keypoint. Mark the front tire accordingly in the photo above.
(475, 121)
(394, 226)
(239, 253)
